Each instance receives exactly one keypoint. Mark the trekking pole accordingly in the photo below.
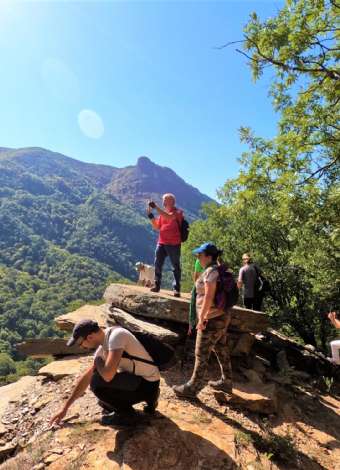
(184, 353)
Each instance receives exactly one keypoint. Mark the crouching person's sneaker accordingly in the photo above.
(122, 418)
(106, 407)
(151, 405)
(184, 391)
(225, 386)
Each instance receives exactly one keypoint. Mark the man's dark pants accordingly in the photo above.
(122, 400)
(174, 253)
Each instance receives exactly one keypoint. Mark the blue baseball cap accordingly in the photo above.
(208, 248)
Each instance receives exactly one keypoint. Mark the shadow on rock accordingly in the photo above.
(165, 446)
(283, 451)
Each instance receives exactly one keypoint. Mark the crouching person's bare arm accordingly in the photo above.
(79, 390)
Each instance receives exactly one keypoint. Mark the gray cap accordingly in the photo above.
(81, 330)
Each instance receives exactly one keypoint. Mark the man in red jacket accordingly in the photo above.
(168, 223)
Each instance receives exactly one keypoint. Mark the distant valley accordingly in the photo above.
(67, 228)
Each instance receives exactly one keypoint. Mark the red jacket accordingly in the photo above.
(170, 230)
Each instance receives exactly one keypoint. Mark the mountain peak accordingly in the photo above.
(145, 164)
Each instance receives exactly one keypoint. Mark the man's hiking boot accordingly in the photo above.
(177, 294)
(225, 386)
(126, 418)
(151, 406)
(106, 407)
(155, 289)
(184, 391)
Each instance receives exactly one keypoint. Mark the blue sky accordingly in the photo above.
(107, 82)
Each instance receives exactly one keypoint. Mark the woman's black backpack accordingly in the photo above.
(227, 292)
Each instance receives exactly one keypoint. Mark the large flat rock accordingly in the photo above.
(56, 370)
(256, 397)
(93, 312)
(138, 300)
(118, 316)
(40, 348)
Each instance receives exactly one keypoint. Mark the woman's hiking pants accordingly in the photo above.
(213, 338)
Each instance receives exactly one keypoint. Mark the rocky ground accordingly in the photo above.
(293, 426)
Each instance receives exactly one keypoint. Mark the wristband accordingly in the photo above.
(151, 216)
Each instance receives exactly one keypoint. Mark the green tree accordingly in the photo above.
(284, 205)
(301, 45)
(7, 365)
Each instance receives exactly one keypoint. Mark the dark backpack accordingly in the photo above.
(262, 285)
(184, 229)
(163, 355)
(226, 295)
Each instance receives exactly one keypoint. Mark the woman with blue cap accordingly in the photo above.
(211, 327)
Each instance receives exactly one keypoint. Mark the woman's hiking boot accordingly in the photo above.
(225, 386)
(184, 391)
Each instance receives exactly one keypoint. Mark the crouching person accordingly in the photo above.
(118, 376)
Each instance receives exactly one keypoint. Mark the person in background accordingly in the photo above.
(335, 345)
(248, 278)
(211, 328)
(169, 241)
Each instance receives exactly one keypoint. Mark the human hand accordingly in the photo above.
(58, 417)
(152, 204)
(201, 325)
(332, 316)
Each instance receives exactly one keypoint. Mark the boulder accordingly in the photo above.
(40, 348)
(140, 301)
(93, 312)
(56, 370)
(253, 376)
(12, 393)
(118, 316)
(259, 398)
(243, 344)
(283, 352)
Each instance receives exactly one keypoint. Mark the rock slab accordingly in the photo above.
(56, 370)
(40, 348)
(140, 301)
(118, 316)
(93, 312)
